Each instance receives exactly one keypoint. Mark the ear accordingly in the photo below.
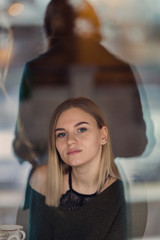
(104, 135)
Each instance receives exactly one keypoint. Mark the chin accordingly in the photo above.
(74, 163)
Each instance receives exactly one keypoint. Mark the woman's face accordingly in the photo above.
(78, 139)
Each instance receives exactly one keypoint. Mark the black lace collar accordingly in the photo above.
(73, 200)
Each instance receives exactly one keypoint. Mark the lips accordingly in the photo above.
(73, 151)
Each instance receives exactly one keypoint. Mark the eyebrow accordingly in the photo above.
(79, 123)
(76, 125)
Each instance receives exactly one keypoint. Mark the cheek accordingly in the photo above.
(60, 147)
(94, 141)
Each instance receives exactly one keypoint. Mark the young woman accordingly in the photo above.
(78, 194)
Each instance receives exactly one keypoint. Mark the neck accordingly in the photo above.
(85, 180)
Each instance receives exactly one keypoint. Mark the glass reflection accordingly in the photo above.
(126, 29)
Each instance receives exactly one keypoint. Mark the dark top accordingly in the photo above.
(73, 200)
(101, 218)
(76, 67)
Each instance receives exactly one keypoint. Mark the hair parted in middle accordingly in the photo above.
(57, 168)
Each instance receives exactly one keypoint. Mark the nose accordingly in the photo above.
(71, 138)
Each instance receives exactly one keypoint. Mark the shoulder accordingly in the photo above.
(32, 63)
(108, 183)
(38, 179)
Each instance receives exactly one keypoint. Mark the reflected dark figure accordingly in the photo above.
(76, 64)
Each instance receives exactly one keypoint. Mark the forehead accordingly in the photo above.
(73, 116)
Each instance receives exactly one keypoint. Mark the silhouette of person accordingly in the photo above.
(76, 64)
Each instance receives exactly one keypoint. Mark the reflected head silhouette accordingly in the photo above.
(58, 20)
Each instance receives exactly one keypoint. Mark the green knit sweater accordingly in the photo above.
(102, 218)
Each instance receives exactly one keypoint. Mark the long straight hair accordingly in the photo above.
(57, 168)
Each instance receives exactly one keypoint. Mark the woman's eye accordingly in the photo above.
(82, 130)
(60, 135)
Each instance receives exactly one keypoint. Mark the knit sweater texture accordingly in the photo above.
(102, 218)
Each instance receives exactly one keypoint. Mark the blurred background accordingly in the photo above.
(130, 31)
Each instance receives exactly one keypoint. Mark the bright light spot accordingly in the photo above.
(83, 26)
(16, 9)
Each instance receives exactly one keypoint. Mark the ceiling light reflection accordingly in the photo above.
(16, 9)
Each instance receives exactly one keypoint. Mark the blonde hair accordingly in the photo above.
(57, 168)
